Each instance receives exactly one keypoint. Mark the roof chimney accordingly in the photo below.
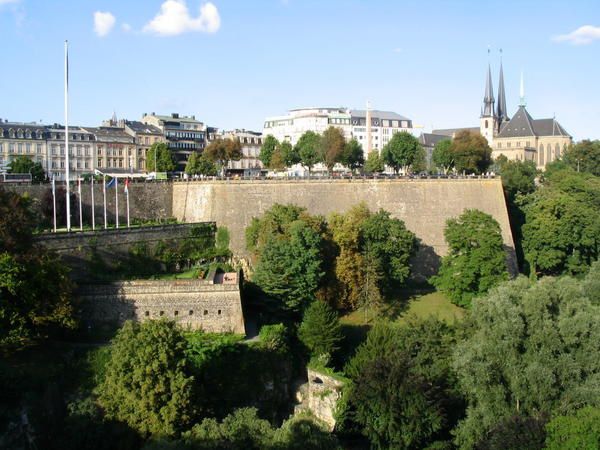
(175, 115)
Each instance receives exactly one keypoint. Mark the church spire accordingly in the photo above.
(488, 98)
(522, 92)
(501, 106)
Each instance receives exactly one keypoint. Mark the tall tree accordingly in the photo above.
(307, 149)
(443, 156)
(374, 163)
(289, 267)
(476, 260)
(35, 290)
(221, 151)
(531, 350)
(23, 164)
(579, 430)
(472, 154)
(267, 149)
(353, 155)
(561, 233)
(584, 157)
(160, 153)
(331, 147)
(402, 151)
(146, 383)
(320, 330)
(288, 154)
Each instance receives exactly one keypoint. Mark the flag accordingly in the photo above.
(53, 186)
(127, 185)
(112, 183)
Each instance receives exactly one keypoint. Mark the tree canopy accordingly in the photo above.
(352, 156)
(584, 156)
(331, 147)
(562, 229)
(476, 260)
(472, 154)
(580, 430)
(402, 151)
(307, 149)
(23, 164)
(531, 350)
(160, 152)
(200, 165)
(320, 330)
(374, 163)
(443, 156)
(146, 383)
(267, 149)
(221, 151)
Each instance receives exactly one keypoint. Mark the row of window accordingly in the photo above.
(176, 313)
(20, 148)
(20, 134)
(184, 135)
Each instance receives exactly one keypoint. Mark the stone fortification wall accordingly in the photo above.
(147, 201)
(215, 308)
(320, 395)
(424, 205)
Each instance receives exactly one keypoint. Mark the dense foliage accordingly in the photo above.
(221, 151)
(320, 330)
(471, 151)
(23, 164)
(35, 291)
(200, 165)
(562, 229)
(331, 147)
(476, 260)
(531, 351)
(580, 430)
(374, 163)
(159, 152)
(584, 157)
(442, 156)
(403, 152)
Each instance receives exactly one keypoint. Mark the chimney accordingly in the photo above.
(175, 115)
(193, 117)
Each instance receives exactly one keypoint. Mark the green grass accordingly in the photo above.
(415, 305)
(186, 275)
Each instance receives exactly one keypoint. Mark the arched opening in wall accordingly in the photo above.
(317, 380)
(161, 313)
(190, 312)
(556, 151)
(486, 124)
(541, 155)
(549, 154)
(176, 313)
(219, 312)
(206, 312)
(147, 314)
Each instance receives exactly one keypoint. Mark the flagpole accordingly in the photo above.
(80, 204)
(67, 173)
(127, 197)
(93, 205)
(104, 195)
(117, 201)
(54, 201)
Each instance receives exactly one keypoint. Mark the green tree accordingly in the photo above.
(531, 350)
(518, 178)
(206, 167)
(402, 151)
(35, 290)
(353, 156)
(389, 245)
(288, 154)
(159, 152)
(192, 167)
(591, 284)
(275, 222)
(476, 260)
(146, 383)
(307, 149)
(443, 156)
(290, 267)
(374, 163)
(320, 330)
(267, 149)
(331, 147)
(561, 233)
(472, 154)
(403, 387)
(23, 164)
(584, 157)
(579, 430)
(221, 151)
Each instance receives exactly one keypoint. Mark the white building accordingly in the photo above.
(353, 122)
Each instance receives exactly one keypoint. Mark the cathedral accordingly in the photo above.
(520, 137)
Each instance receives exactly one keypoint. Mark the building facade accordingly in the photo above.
(371, 128)
(184, 135)
(251, 142)
(23, 139)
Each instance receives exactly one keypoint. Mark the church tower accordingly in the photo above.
(487, 125)
(501, 114)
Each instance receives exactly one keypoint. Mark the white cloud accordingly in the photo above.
(581, 36)
(397, 50)
(174, 18)
(126, 27)
(103, 23)
(6, 2)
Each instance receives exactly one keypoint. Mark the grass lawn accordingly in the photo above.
(187, 275)
(414, 305)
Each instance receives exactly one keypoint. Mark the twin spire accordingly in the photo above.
(500, 111)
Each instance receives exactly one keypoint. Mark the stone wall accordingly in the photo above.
(147, 201)
(112, 246)
(214, 308)
(320, 395)
(424, 205)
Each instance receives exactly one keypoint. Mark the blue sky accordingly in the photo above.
(232, 63)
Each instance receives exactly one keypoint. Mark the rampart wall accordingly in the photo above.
(424, 205)
(215, 308)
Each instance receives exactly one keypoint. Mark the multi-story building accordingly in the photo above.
(82, 150)
(183, 134)
(251, 142)
(371, 128)
(115, 150)
(25, 139)
(144, 136)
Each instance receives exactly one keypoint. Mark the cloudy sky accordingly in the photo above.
(233, 62)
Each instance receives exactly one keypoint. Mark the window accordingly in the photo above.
(147, 313)
(190, 312)
(206, 312)
(219, 312)
(486, 124)
(176, 313)
(28, 148)
(38, 149)
(499, 144)
(161, 313)
(20, 148)
(11, 148)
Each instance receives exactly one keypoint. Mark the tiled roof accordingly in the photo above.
(523, 125)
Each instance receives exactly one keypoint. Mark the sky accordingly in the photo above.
(231, 63)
